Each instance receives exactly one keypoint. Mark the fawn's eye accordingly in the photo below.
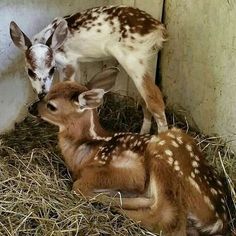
(31, 73)
(51, 72)
(51, 107)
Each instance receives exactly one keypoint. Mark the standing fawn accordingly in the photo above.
(166, 175)
(127, 34)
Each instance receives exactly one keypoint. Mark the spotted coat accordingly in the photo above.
(167, 173)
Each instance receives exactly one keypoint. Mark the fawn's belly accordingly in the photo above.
(90, 46)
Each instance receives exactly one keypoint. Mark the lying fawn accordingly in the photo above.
(167, 172)
(125, 33)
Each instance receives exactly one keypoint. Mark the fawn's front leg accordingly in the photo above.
(111, 180)
(68, 72)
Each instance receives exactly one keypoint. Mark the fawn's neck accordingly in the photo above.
(80, 139)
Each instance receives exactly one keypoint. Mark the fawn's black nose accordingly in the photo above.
(33, 109)
(41, 95)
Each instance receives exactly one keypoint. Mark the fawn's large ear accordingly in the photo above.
(104, 80)
(59, 36)
(91, 99)
(18, 37)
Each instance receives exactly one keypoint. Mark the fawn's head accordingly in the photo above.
(39, 56)
(68, 100)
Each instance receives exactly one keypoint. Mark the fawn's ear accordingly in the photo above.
(18, 37)
(91, 99)
(59, 36)
(104, 80)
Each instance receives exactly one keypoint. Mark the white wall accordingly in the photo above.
(199, 63)
(32, 16)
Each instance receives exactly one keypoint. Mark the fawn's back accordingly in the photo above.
(93, 31)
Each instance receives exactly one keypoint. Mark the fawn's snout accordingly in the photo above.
(41, 95)
(33, 109)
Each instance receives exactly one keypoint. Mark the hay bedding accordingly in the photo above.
(35, 186)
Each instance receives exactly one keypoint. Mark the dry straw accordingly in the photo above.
(35, 187)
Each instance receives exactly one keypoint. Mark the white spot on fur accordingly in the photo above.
(158, 156)
(170, 160)
(155, 139)
(169, 152)
(219, 183)
(176, 129)
(192, 175)
(213, 191)
(177, 168)
(163, 142)
(174, 143)
(197, 158)
(179, 140)
(194, 164)
(170, 135)
(194, 184)
(189, 147)
(196, 171)
(176, 163)
(101, 162)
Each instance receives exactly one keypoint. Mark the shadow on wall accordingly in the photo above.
(188, 79)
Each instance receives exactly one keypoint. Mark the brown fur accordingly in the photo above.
(153, 98)
(69, 71)
(66, 92)
(30, 59)
(49, 58)
(166, 174)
